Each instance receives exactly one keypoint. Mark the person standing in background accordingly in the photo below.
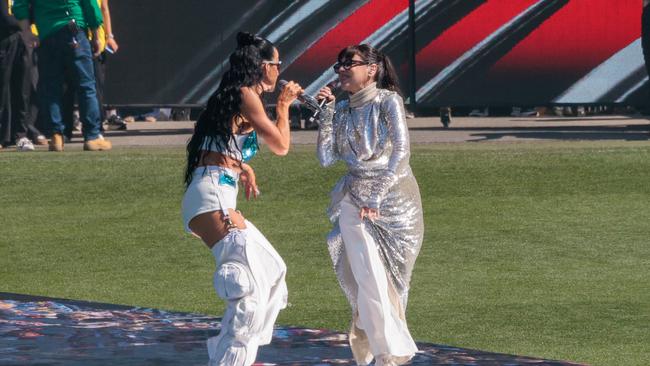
(107, 45)
(17, 73)
(114, 120)
(63, 44)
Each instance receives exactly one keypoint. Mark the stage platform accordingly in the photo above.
(47, 331)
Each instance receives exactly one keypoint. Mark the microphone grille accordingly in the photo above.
(282, 82)
(334, 84)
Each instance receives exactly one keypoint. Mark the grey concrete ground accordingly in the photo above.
(429, 130)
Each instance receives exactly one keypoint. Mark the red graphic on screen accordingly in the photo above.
(472, 29)
(353, 30)
(575, 40)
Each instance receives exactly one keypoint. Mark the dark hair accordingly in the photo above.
(214, 125)
(386, 75)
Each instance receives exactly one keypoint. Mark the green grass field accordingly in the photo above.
(539, 250)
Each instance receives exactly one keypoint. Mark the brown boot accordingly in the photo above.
(98, 144)
(56, 143)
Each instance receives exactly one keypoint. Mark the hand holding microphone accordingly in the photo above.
(307, 100)
(290, 92)
(326, 94)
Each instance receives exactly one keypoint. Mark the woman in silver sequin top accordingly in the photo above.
(376, 207)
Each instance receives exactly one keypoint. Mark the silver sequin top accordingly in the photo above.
(373, 142)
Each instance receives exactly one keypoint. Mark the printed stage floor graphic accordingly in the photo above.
(46, 331)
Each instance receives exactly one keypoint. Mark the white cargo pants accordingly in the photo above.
(387, 334)
(250, 277)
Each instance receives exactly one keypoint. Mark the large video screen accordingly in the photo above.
(468, 52)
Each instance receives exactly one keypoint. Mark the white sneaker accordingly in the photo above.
(24, 144)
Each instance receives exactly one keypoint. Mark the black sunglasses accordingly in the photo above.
(347, 65)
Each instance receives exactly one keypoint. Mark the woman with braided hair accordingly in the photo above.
(250, 274)
(376, 208)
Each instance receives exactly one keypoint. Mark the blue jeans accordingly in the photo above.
(55, 55)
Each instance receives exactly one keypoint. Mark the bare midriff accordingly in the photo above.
(216, 158)
(213, 226)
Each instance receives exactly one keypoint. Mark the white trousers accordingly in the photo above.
(388, 335)
(250, 276)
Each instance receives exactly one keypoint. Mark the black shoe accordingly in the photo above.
(116, 123)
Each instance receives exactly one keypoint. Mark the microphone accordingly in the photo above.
(332, 85)
(309, 101)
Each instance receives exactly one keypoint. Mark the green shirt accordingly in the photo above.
(52, 15)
